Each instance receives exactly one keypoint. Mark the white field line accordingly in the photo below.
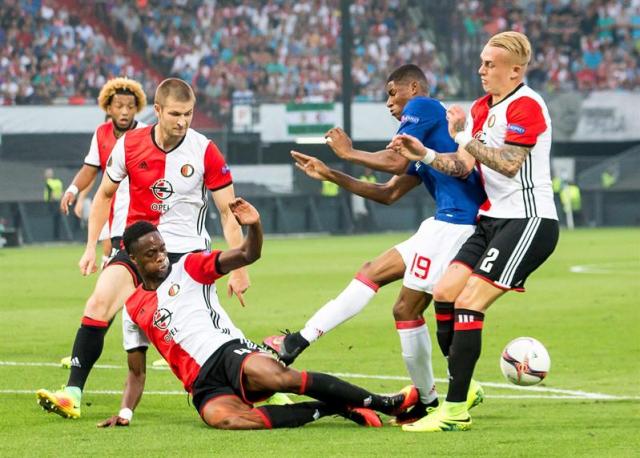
(555, 393)
(605, 268)
(490, 396)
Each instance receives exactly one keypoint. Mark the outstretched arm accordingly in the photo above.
(82, 181)
(133, 389)
(385, 160)
(457, 164)
(505, 159)
(97, 219)
(384, 193)
(238, 282)
(251, 248)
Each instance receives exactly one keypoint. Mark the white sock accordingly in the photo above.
(416, 352)
(349, 303)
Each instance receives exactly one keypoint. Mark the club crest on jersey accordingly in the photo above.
(492, 120)
(162, 319)
(162, 189)
(186, 170)
(175, 289)
(516, 128)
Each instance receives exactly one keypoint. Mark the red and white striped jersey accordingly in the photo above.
(169, 189)
(182, 318)
(102, 144)
(521, 119)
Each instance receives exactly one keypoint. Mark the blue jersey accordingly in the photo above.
(457, 199)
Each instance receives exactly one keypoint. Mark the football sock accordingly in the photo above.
(349, 303)
(87, 348)
(465, 351)
(334, 391)
(293, 415)
(444, 319)
(416, 352)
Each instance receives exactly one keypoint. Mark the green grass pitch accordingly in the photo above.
(589, 321)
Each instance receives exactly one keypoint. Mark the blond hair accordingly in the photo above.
(175, 88)
(515, 43)
(122, 86)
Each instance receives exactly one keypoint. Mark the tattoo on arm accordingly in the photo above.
(506, 159)
(450, 164)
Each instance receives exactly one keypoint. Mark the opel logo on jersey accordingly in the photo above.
(162, 319)
(175, 289)
(186, 170)
(162, 189)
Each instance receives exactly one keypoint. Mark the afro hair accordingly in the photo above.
(122, 86)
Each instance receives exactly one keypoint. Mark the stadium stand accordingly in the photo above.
(49, 55)
(583, 45)
(275, 51)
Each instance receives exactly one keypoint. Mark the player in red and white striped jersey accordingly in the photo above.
(177, 310)
(121, 99)
(170, 169)
(508, 137)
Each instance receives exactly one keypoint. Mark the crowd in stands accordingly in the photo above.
(48, 55)
(276, 50)
(279, 50)
(578, 44)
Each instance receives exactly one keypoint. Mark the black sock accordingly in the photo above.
(87, 348)
(337, 392)
(444, 319)
(294, 415)
(465, 351)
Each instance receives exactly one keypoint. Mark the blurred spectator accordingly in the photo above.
(52, 193)
(578, 44)
(52, 186)
(282, 51)
(48, 55)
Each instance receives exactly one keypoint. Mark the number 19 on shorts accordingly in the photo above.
(420, 266)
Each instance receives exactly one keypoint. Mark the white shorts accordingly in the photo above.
(104, 233)
(428, 252)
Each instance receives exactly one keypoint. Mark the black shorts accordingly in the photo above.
(506, 251)
(222, 374)
(120, 257)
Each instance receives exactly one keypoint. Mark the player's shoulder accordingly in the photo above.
(139, 131)
(195, 142)
(424, 105)
(196, 137)
(104, 128)
(135, 137)
(136, 300)
(482, 103)
(528, 97)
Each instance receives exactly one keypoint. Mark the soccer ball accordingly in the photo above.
(525, 361)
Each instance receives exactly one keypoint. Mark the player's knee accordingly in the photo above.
(289, 381)
(98, 308)
(221, 419)
(366, 270)
(226, 422)
(465, 301)
(444, 293)
(403, 311)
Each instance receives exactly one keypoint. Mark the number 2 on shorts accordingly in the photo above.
(420, 266)
(487, 262)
